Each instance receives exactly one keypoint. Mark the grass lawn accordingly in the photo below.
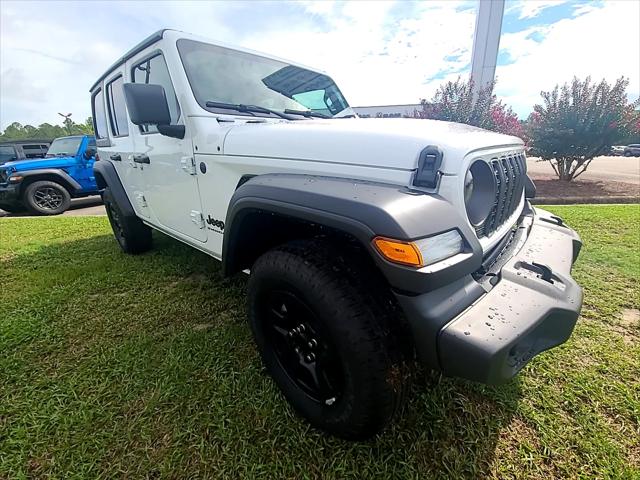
(119, 366)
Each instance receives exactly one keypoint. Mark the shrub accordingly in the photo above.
(456, 102)
(579, 121)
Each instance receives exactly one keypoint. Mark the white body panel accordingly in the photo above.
(230, 146)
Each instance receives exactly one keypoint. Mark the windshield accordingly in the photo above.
(64, 146)
(218, 74)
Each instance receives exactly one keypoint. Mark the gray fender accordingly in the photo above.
(63, 177)
(361, 209)
(107, 176)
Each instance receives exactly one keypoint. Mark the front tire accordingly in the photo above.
(133, 236)
(46, 198)
(324, 337)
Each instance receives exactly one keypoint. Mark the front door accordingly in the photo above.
(171, 183)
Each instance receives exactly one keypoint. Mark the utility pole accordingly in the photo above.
(486, 42)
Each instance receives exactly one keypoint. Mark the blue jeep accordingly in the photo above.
(45, 186)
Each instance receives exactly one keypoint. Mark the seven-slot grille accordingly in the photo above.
(3, 175)
(509, 171)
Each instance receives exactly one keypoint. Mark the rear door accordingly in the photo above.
(167, 165)
(113, 136)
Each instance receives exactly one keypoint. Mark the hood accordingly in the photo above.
(38, 163)
(377, 142)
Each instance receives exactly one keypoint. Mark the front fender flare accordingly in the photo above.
(360, 208)
(64, 178)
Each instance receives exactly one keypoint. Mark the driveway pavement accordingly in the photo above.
(617, 169)
(79, 206)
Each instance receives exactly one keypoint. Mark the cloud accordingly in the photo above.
(379, 52)
(532, 8)
(602, 43)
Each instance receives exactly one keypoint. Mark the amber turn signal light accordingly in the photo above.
(396, 251)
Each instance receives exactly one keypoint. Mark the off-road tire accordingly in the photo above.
(356, 310)
(45, 197)
(133, 236)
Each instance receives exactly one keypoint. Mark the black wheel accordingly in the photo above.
(323, 334)
(46, 198)
(133, 236)
(627, 154)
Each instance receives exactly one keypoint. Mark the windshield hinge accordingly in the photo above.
(188, 164)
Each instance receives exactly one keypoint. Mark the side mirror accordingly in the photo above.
(147, 105)
(89, 153)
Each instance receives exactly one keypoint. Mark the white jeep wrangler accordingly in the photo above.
(371, 243)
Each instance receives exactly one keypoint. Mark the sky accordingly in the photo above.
(379, 52)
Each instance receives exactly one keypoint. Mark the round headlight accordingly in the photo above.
(479, 191)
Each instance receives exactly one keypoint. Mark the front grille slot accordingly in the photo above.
(509, 171)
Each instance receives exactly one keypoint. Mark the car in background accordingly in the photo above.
(23, 149)
(45, 186)
(632, 150)
(617, 150)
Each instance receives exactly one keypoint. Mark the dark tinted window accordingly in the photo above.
(7, 154)
(154, 70)
(117, 109)
(99, 117)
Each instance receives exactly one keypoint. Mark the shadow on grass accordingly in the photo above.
(145, 366)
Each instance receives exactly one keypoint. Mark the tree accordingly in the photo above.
(17, 131)
(579, 121)
(457, 102)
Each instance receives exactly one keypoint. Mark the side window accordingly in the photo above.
(99, 117)
(117, 109)
(154, 70)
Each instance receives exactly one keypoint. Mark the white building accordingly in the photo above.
(388, 111)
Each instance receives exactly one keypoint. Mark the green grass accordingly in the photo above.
(119, 366)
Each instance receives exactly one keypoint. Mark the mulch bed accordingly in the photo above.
(550, 190)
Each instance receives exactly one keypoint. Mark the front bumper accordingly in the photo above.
(9, 194)
(525, 304)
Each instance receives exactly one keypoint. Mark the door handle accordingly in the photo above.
(141, 158)
(116, 157)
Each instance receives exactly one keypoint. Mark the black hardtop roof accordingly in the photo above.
(26, 141)
(150, 40)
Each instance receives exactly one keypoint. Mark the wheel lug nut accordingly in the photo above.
(310, 358)
(312, 343)
(301, 328)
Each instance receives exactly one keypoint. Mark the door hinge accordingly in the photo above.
(188, 165)
(197, 218)
(141, 200)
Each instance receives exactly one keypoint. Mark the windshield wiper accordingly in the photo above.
(306, 113)
(247, 108)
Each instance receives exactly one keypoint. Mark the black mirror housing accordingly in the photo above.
(147, 104)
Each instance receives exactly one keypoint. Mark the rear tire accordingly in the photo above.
(46, 198)
(361, 373)
(133, 236)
